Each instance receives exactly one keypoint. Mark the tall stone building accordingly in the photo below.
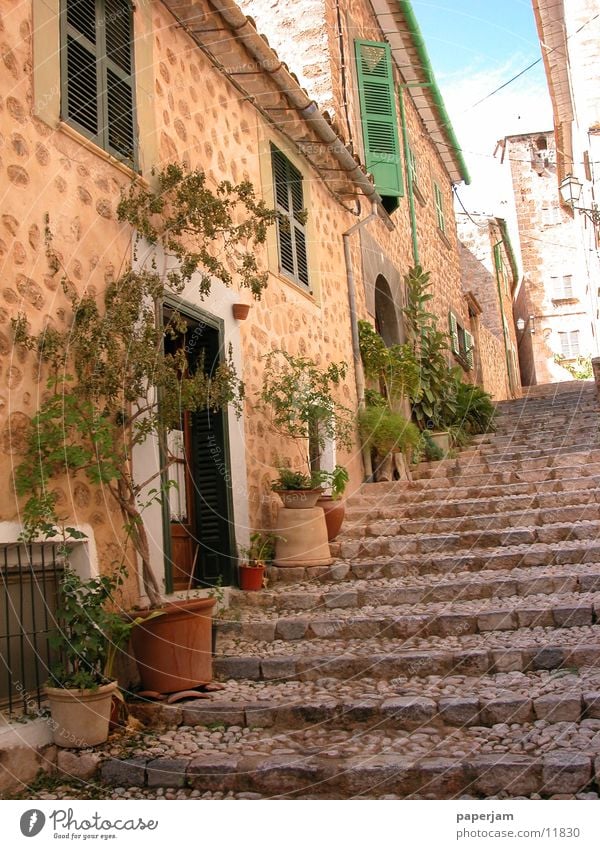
(555, 304)
(489, 278)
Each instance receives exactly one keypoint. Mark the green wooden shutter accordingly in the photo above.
(439, 207)
(212, 481)
(469, 342)
(453, 325)
(291, 232)
(80, 84)
(378, 113)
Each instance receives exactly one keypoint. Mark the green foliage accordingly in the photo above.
(204, 230)
(108, 369)
(299, 398)
(289, 479)
(395, 368)
(475, 410)
(385, 431)
(581, 369)
(430, 449)
(86, 629)
(337, 480)
(261, 549)
(435, 404)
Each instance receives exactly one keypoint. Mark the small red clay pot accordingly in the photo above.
(240, 311)
(251, 577)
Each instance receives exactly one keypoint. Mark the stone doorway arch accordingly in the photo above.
(386, 317)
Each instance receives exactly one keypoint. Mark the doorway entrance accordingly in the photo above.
(200, 537)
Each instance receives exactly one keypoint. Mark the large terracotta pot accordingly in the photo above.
(174, 650)
(335, 510)
(301, 538)
(251, 577)
(80, 717)
(299, 499)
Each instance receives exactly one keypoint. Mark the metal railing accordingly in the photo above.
(29, 581)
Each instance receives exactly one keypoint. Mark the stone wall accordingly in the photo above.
(550, 248)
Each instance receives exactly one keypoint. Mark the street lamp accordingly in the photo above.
(570, 193)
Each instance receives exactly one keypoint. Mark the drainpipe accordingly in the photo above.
(409, 178)
(359, 375)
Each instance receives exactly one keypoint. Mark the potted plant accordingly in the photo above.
(332, 504)
(297, 490)
(255, 558)
(81, 686)
(111, 387)
(385, 433)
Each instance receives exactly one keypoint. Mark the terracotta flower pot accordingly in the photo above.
(240, 311)
(335, 510)
(251, 577)
(174, 651)
(299, 499)
(80, 717)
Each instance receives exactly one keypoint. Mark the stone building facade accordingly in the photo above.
(555, 302)
(570, 44)
(210, 92)
(489, 278)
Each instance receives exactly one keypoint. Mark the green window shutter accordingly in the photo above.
(379, 118)
(291, 231)
(469, 345)
(453, 325)
(439, 207)
(97, 85)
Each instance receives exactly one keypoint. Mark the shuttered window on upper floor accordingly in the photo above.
(379, 119)
(440, 214)
(291, 230)
(97, 85)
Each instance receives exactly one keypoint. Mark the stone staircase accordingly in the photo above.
(452, 650)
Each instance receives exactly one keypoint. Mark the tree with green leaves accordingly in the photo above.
(111, 386)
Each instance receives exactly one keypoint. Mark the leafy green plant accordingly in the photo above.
(110, 385)
(261, 549)
(434, 406)
(299, 398)
(395, 368)
(86, 629)
(431, 450)
(475, 410)
(292, 480)
(385, 431)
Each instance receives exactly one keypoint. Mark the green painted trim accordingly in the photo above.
(417, 37)
(409, 179)
(509, 250)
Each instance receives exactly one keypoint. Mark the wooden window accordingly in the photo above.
(462, 342)
(439, 208)
(97, 73)
(379, 119)
(562, 287)
(569, 344)
(291, 232)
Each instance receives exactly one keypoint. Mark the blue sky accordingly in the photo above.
(476, 46)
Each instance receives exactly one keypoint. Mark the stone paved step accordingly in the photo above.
(500, 476)
(319, 763)
(482, 523)
(387, 657)
(402, 703)
(476, 467)
(414, 590)
(458, 508)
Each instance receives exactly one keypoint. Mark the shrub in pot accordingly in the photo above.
(297, 489)
(332, 504)
(255, 558)
(385, 433)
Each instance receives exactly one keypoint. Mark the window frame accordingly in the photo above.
(567, 335)
(462, 342)
(560, 291)
(440, 212)
(104, 65)
(296, 225)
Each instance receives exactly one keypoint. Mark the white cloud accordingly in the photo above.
(521, 107)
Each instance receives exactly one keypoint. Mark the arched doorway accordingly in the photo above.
(386, 319)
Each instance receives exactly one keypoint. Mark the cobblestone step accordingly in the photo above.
(477, 467)
(425, 620)
(414, 590)
(408, 704)
(485, 522)
(450, 508)
(387, 657)
(316, 763)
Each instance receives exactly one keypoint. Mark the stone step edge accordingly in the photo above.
(413, 663)
(398, 712)
(523, 587)
(494, 559)
(404, 625)
(559, 772)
